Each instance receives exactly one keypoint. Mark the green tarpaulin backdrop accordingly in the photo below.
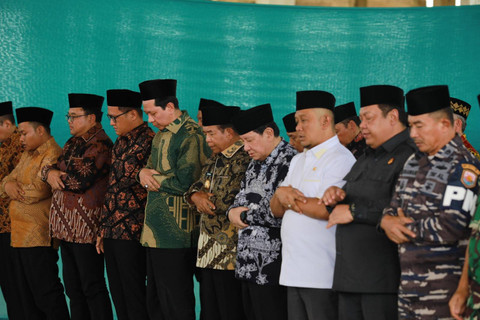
(238, 54)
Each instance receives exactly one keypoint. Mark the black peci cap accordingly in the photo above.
(315, 99)
(124, 98)
(218, 114)
(382, 94)
(90, 102)
(159, 89)
(34, 114)
(344, 111)
(6, 108)
(427, 99)
(289, 122)
(253, 118)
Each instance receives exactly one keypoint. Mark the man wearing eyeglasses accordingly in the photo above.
(124, 209)
(79, 182)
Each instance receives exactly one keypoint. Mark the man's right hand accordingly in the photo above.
(147, 180)
(14, 190)
(202, 202)
(332, 196)
(54, 179)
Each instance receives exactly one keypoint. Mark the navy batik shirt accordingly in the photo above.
(259, 245)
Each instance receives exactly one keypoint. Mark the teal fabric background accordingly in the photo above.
(239, 54)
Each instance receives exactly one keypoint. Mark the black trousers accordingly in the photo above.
(127, 276)
(83, 273)
(8, 284)
(221, 295)
(367, 306)
(264, 302)
(310, 304)
(37, 280)
(170, 283)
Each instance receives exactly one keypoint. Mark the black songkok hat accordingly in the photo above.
(344, 111)
(382, 94)
(289, 122)
(315, 99)
(206, 103)
(6, 108)
(427, 99)
(460, 107)
(89, 102)
(218, 115)
(253, 118)
(159, 89)
(124, 98)
(34, 114)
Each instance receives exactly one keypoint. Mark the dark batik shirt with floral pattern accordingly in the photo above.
(259, 246)
(125, 200)
(76, 210)
(10, 152)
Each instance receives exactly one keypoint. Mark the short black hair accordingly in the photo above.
(8, 117)
(36, 124)
(355, 119)
(446, 113)
(402, 115)
(98, 114)
(137, 110)
(222, 127)
(163, 103)
(272, 124)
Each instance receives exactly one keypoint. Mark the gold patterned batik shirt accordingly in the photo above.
(222, 176)
(29, 218)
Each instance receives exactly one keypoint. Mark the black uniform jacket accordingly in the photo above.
(366, 260)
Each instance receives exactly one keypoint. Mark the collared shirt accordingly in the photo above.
(366, 260)
(124, 208)
(221, 175)
(358, 145)
(259, 245)
(470, 148)
(178, 153)
(473, 304)
(308, 253)
(75, 211)
(29, 218)
(10, 152)
(439, 193)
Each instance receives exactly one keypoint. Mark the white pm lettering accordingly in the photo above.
(454, 193)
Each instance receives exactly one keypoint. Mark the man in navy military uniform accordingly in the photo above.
(435, 197)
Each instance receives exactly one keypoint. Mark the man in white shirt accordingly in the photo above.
(308, 247)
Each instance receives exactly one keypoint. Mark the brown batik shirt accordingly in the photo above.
(76, 210)
(125, 200)
(10, 152)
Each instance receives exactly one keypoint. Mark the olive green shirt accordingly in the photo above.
(178, 153)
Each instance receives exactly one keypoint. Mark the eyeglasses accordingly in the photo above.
(69, 117)
(114, 118)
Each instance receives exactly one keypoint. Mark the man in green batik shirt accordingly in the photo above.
(465, 303)
(178, 154)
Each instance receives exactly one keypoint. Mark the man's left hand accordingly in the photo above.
(340, 215)
(395, 227)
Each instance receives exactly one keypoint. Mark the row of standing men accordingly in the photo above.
(280, 234)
